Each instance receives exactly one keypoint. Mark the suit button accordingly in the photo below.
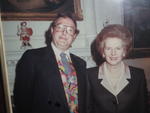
(114, 102)
(57, 104)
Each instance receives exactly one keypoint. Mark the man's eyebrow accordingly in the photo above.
(65, 25)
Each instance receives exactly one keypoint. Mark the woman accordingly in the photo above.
(116, 87)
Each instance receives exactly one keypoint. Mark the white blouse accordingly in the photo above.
(114, 84)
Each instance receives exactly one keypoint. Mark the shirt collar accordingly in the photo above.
(58, 51)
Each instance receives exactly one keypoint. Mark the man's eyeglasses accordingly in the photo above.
(61, 28)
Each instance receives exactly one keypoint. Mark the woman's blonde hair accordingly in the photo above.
(114, 31)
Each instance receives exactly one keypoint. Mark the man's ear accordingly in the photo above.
(52, 30)
(74, 36)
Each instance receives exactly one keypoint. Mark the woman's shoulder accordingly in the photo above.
(93, 71)
(136, 72)
(136, 69)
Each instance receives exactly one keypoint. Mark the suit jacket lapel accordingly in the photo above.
(52, 68)
(104, 81)
(120, 86)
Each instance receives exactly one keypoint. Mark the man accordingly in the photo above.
(42, 84)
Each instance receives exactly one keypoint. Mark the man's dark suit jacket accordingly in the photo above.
(38, 86)
(132, 99)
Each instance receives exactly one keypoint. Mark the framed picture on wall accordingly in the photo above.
(137, 19)
(39, 9)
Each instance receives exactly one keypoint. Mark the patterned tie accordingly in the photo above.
(65, 63)
(72, 88)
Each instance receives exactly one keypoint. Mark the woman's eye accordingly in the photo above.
(119, 48)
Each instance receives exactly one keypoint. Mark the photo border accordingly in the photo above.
(4, 72)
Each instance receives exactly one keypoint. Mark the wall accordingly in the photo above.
(97, 13)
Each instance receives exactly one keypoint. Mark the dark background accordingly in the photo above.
(2, 98)
(137, 19)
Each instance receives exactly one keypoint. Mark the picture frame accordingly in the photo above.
(39, 9)
(5, 99)
(136, 18)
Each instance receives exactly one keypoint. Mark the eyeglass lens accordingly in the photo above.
(69, 29)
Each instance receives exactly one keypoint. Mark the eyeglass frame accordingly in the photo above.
(65, 28)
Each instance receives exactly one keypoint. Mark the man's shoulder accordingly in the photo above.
(78, 58)
(35, 51)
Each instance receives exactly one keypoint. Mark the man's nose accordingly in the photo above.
(113, 52)
(64, 31)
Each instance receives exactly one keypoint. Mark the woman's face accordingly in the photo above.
(113, 51)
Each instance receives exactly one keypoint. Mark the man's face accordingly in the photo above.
(63, 33)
